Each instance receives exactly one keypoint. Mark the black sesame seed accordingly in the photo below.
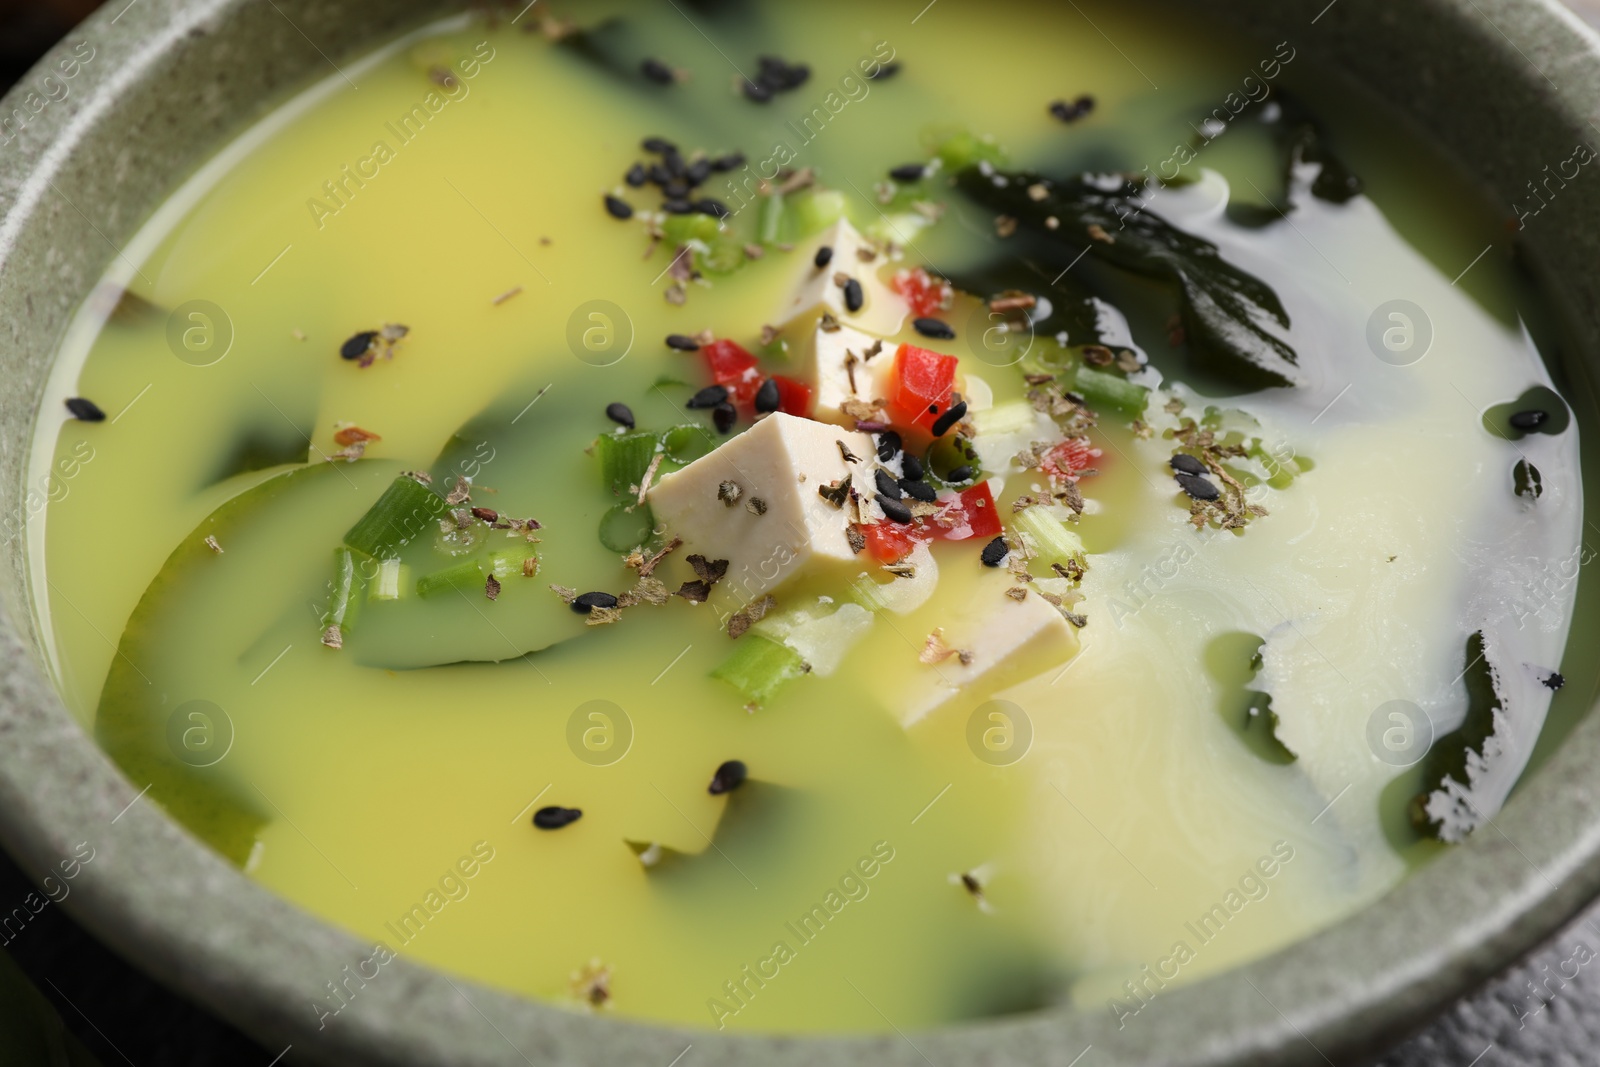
(1074, 111)
(85, 409)
(889, 446)
(959, 474)
(676, 189)
(1184, 463)
(1197, 487)
(620, 413)
(731, 161)
(637, 175)
(757, 92)
(682, 343)
(907, 172)
(358, 345)
(555, 817)
(729, 776)
(886, 484)
(823, 257)
(723, 417)
(584, 603)
(708, 206)
(796, 76)
(619, 208)
(1528, 420)
(955, 414)
(936, 328)
(767, 396)
(698, 171)
(659, 175)
(676, 207)
(888, 70)
(893, 509)
(1555, 681)
(853, 297)
(918, 490)
(658, 145)
(709, 397)
(912, 468)
(673, 161)
(656, 71)
(995, 551)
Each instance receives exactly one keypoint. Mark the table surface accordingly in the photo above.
(1533, 1014)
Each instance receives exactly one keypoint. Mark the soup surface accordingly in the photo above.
(857, 522)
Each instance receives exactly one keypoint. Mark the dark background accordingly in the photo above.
(89, 1008)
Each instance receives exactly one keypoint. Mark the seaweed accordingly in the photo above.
(1225, 310)
(262, 446)
(1234, 660)
(1458, 761)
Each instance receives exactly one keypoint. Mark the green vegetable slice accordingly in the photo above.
(406, 510)
(1110, 392)
(759, 667)
(624, 457)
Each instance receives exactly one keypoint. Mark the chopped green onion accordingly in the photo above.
(680, 229)
(507, 562)
(386, 584)
(342, 603)
(1048, 536)
(622, 530)
(759, 667)
(685, 444)
(813, 211)
(624, 457)
(1112, 391)
(406, 510)
(721, 256)
(466, 576)
(770, 224)
(961, 149)
(1014, 416)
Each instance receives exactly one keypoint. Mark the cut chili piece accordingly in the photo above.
(735, 370)
(921, 380)
(794, 397)
(970, 513)
(926, 295)
(891, 542)
(1071, 458)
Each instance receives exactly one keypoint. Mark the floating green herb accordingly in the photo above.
(405, 511)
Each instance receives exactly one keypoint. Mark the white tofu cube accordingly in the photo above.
(883, 311)
(778, 526)
(823, 358)
(1008, 641)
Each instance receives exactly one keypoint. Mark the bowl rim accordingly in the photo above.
(202, 927)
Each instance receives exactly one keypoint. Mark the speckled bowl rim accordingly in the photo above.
(174, 77)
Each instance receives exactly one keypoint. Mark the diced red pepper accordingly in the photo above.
(926, 295)
(890, 542)
(794, 397)
(970, 513)
(735, 370)
(920, 380)
(1070, 458)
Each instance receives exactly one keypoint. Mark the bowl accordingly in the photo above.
(1502, 86)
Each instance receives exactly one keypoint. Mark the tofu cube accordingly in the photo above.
(1008, 642)
(822, 360)
(883, 311)
(778, 526)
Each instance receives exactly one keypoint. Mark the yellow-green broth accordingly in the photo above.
(1138, 808)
